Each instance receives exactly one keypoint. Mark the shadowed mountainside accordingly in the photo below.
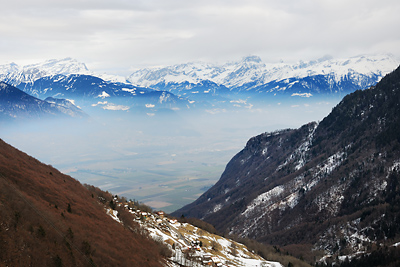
(331, 187)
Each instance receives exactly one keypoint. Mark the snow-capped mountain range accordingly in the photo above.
(68, 78)
(248, 73)
(251, 72)
(199, 84)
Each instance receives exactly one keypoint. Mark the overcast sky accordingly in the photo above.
(116, 36)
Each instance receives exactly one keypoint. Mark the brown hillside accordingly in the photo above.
(50, 219)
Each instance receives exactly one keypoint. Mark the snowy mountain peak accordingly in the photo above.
(9, 68)
(15, 74)
(64, 66)
(252, 58)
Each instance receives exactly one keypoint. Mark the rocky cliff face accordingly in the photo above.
(333, 185)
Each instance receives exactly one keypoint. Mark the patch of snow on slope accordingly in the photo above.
(300, 153)
(287, 195)
(331, 200)
(302, 95)
(395, 166)
(289, 202)
(72, 102)
(111, 106)
(113, 214)
(349, 233)
(217, 207)
(325, 168)
(164, 97)
(103, 95)
(265, 199)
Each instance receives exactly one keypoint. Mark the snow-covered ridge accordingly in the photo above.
(249, 70)
(63, 66)
(300, 152)
(253, 70)
(15, 74)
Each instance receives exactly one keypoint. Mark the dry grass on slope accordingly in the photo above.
(50, 219)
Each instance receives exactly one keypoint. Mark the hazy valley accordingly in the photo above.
(166, 148)
(319, 183)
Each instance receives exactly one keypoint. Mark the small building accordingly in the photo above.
(207, 260)
(216, 261)
(144, 215)
(161, 214)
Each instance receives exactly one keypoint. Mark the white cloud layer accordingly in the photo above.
(115, 36)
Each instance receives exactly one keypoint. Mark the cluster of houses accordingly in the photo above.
(190, 252)
(198, 259)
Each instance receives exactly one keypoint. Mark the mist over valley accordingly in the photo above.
(163, 136)
(165, 160)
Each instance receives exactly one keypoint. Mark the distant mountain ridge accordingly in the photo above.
(14, 74)
(204, 85)
(251, 68)
(71, 79)
(95, 92)
(16, 104)
(252, 76)
(330, 187)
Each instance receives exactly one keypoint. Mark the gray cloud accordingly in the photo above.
(114, 36)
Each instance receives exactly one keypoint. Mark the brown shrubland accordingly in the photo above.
(50, 219)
